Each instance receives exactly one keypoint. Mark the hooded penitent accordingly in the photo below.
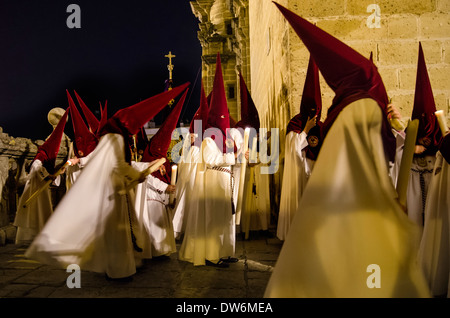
(92, 121)
(201, 114)
(85, 141)
(160, 142)
(349, 74)
(218, 116)
(103, 118)
(128, 121)
(429, 134)
(310, 106)
(48, 151)
(249, 113)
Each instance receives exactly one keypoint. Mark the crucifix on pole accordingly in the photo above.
(170, 66)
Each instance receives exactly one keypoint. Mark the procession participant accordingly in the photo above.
(152, 203)
(351, 223)
(35, 204)
(302, 146)
(209, 238)
(187, 167)
(94, 226)
(428, 138)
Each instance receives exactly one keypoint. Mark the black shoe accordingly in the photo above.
(220, 264)
(229, 259)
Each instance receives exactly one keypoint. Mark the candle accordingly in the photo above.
(253, 155)
(442, 121)
(173, 181)
(242, 177)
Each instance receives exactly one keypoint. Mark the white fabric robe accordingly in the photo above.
(350, 221)
(434, 251)
(185, 182)
(238, 138)
(157, 221)
(210, 224)
(256, 210)
(91, 225)
(30, 220)
(395, 166)
(296, 172)
(416, 195)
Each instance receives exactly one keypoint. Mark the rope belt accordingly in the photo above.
(222, 169)
(156, 201)
(422, 187)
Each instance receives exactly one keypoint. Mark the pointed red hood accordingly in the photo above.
(129, 120)
(85, 141)
(48, 151)
(311, 103)
(202, 112)
(92, 121)
(349, 74)
(218, 116)
(429, 133)
(159, 144)
(103, 118)
(249, 113)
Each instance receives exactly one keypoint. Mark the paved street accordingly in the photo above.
(158, 278)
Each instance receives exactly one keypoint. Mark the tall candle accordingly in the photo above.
(173, 181)
(442, 121)
(254, 145)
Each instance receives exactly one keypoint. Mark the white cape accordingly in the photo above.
(434, 252)
(297, 169)
(91, 225)
(350, 221)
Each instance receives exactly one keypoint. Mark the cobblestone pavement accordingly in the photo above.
(158, 278)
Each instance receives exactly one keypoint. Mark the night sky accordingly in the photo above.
(117, 55)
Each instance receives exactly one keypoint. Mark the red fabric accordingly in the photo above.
(159, 144)
(48, 151)
(349, 74)
(429, 133)
(202, 112)
(311, 103)
(85, 141)
(103, 118)
(249, 113)
(219, 116)
(92, 121)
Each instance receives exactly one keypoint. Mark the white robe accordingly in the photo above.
(30, 220)
(351, 226)
(91, 225)
(296, 172)
(185, 182)
(395, 166)
(256, 204)
(238, 138)
(419, 179)
(434, 251)
(210, 224)
(158, 222)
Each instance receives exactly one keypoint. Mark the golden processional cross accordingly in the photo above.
(170, 66)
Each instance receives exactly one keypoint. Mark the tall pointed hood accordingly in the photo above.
(429, 133)
(85, 141)
(159, 144)
(103, 118)
(349, 74)
(48, 151)
(202, 111)
(219, 116)
(92, 121)
(249, 113)
(130, 119)
(311, 103)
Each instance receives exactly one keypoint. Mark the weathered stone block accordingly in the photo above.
(398, 53)
(314, 8)
(434, 25)
(359, 7)
(402, 26)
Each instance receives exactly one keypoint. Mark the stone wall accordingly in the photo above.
(390, 29)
